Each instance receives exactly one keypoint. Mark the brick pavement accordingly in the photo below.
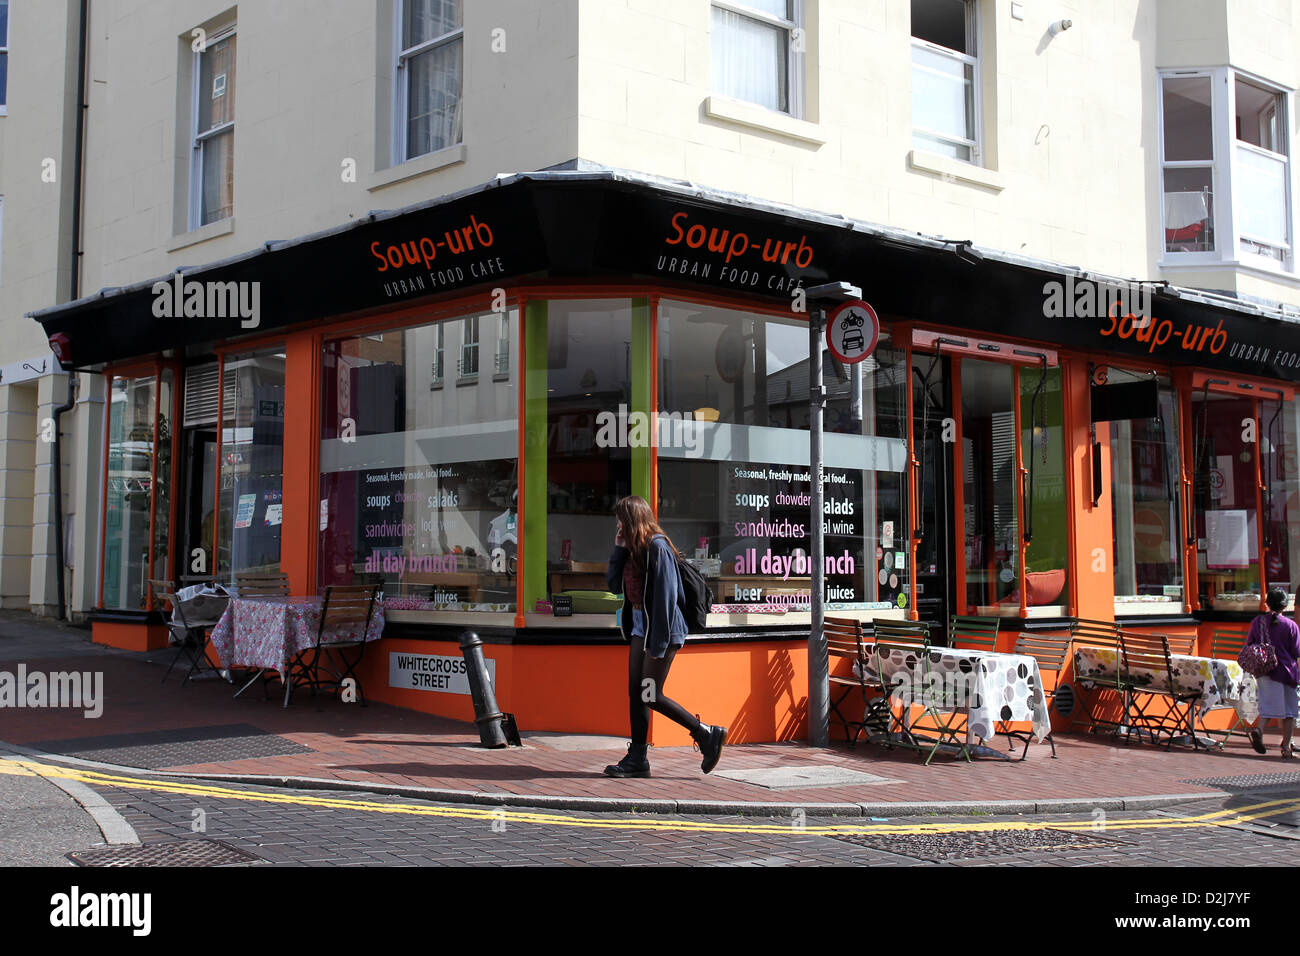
(387, 745)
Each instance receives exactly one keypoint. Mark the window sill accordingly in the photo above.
(467, 380)
(222, 227)
(760, 118)
(1277, 274)
(435, 387)
(4, 111)
(420, 166)
(501, 377)
(950, 169)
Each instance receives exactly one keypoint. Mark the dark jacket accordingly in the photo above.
(664, 622)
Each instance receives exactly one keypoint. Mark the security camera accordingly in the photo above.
(1060, 26)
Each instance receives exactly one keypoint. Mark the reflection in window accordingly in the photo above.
(252, 464)
(1280, 423)
(1145, 496)
(735, 497)
(988, 430)
(417, 484)
(1045, 512)
(1227, 531)
(129, 494)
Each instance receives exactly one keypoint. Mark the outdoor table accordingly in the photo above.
(990, 687)
(1220, 683)
(267, 632)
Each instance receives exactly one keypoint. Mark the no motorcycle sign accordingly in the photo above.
(852, 331)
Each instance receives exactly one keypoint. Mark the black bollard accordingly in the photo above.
(486, 714)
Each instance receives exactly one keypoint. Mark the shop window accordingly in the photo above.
(429, 76)
(989, 482)
(251, 495)
(138, 489)
(1045, 506)
(417, 488)
(591, 353)
(1225, 448)
(212, 173)
(4, 56)
(1280, 477)
(945, 78)
(756, 52)
(1146, 495)
(733, 462)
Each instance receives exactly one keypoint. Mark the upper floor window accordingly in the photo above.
(212, 169)
(1225, 185)
(4, 55)
(429, 76)
(945, 78)
(469, 347)
(756, 50)
(503, 345)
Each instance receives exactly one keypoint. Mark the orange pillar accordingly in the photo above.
(301, 511)
(1092, 578)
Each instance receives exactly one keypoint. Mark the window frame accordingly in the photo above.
(401, 106)
(1282, 118)
(501, 364)
(4, 52)
(796, 83)
(469, 347)
(198, 140)
(975, 145)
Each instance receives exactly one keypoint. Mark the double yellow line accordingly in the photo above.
(1217, 818)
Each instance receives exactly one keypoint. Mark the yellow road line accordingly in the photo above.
(1215, 818)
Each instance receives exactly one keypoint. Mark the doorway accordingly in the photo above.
(199, 469)
(934, 434)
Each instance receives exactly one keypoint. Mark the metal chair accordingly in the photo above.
(181, 632)
(1184, 644)
(346, 606)
(974, 633)
(1150, 653)
(1098, 634)
(262, 584)
(1228, 645)
(910, 633)
(1050, 652)
(844, 642)
(944, 716)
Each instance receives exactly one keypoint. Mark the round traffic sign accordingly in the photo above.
(852, 331)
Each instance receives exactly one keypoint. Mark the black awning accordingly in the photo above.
(605, 226)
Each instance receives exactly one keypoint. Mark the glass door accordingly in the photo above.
(934, 436)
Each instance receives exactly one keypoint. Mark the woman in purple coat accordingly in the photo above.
(1279, 697)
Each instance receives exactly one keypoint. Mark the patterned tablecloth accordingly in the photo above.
(1220, 682)
(268, 632)
(994, 687)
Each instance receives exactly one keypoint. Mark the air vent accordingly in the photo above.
(201, 395)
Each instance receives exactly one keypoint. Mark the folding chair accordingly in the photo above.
(181, 632)
(346, 606)
(262, 584)
(1184, 644)
(1105, 635)
(1227, 645)
(1150, 652)
(946, 720)
(1051, 653)
(974, 633)
(844, 642)
(910, 633)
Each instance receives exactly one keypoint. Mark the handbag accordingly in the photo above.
(1258, 659)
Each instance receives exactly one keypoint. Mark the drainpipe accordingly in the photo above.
(73, 383)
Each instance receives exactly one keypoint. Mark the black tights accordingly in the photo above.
(646, 679)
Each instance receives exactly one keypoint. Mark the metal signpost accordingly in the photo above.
(851, 336)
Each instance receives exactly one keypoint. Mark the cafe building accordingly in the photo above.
(448, 399)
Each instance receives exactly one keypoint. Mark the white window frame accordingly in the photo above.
(4, 51)
(469, 346)
(972, 42)
(2, 238)
(1228, 251)
(502, 364)
(197, 139)
(796, 83)
(438, 369)
(400, 57)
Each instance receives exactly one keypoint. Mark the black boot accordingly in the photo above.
(709, 740)
(634, 764)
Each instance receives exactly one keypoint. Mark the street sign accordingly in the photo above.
(852, 331)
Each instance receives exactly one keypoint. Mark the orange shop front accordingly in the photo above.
(456, 425)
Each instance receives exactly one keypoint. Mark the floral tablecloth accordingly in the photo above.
(994, 687)
(268, 632)
(1220, 682)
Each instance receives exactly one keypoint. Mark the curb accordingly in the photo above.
(624, 805)
(112, 825)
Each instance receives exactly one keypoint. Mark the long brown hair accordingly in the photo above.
(639, 526)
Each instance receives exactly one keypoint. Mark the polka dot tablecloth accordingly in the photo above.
(1220, 682)
(995, 688)
(268, 632)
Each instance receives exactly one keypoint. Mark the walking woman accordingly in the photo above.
(1279, 698)
(643, 568)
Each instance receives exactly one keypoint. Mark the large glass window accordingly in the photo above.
(945, 77)
(1188, 141)
(429, 70)
(212, 177)
(418, 482)
(1146, 492)
(734, 484)
(755, 52)
(1280, 422)
(139, 437)
(1225, 446)
(989, 483)
(252, 463)
(1045, 507)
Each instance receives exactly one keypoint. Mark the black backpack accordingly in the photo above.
(696, 598)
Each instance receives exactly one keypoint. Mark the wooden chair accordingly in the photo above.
(945, 720)
(261, 584)
(1150, 653)
(1184, 644)
(1051, 652)
(1098, 634)
(346, 610)
(180, 631)
(844, 642)
(1227, 645)
(974, 633)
